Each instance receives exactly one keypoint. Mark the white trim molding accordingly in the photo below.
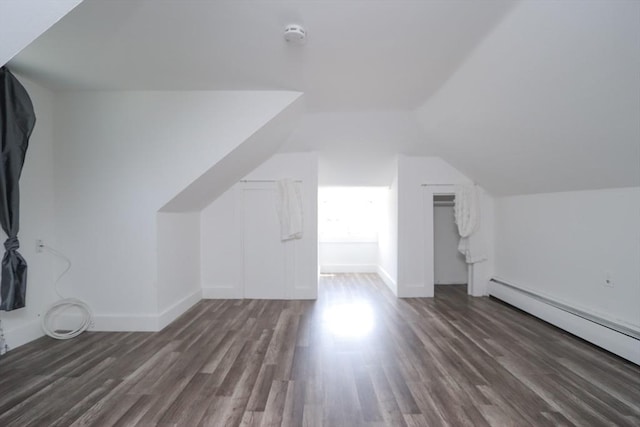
(210, 291)
(176, 310)
(388, 280)
(348, 268)
(23, 334)
(619, 339)
(125, 322)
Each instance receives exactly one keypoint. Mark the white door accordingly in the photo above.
(263, 252)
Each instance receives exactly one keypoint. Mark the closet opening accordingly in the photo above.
(450, 268)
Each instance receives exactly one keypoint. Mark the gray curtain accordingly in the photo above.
(16, 123)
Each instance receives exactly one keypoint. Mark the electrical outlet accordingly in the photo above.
(608, 281)
(39, 245)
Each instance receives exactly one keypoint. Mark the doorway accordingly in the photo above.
(450, 268)
(349, 221)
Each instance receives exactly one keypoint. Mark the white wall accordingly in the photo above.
(356, 148)
(562, 245)
(415, 220)
(221, 246)
(481, 273)
(36, 222)
(449, 265)
(388, 237)
(222, 231)
(415, 225)
(254, 150)
(178, 263)
(21, 22)
(348, 257)
(120, 156)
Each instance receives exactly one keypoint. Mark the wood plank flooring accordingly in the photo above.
(355, 357)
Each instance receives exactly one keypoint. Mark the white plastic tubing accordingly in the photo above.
(63, 304)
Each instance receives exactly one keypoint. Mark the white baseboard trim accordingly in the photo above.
(105, 322)
(124, 323)
(386, 278)
(305, 293)
(414, 291)
(23, 334)
(110, 322)
(618, 343)
(348, 268)
(449, 284)
(177, 309)
(222, 292)
(228, 292)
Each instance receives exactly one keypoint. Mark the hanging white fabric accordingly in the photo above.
(289, 209)
(467, 216)
(466, 209)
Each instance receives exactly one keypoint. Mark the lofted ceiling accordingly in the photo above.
(361, 55)
(21, 22)
(522, 96)
(548, 102)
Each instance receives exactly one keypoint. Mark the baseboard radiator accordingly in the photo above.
(614, 337)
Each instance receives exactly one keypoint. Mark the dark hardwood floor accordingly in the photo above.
(357, 356)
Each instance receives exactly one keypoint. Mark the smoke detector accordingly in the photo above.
(295, 34)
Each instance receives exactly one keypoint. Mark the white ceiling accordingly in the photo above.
(549, 101)
(22, 21)
(360, 55)
(522, 96)
(359, 148)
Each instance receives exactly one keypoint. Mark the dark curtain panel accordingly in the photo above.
(16, 123)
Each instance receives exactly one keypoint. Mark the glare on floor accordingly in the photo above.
(350, 320)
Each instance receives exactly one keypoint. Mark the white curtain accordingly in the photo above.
(289, 207)
(467, 215)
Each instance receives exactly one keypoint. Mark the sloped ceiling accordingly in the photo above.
(244, 158)
(360, 54)
(22, 21)
(549, 101)
(523, 96)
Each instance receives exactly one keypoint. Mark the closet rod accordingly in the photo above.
(264, 180)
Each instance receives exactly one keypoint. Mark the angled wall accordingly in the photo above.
(545, 113)
(178, 263)
(120, 157)
(21, 22)
(247, 156)
(547, 102)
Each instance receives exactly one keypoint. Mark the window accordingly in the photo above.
(350, 214)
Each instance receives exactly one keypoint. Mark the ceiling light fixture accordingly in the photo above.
(295, 34)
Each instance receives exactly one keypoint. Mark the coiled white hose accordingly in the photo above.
(57, 308)
(62, 305)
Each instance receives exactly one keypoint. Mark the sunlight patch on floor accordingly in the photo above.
(349, 320)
